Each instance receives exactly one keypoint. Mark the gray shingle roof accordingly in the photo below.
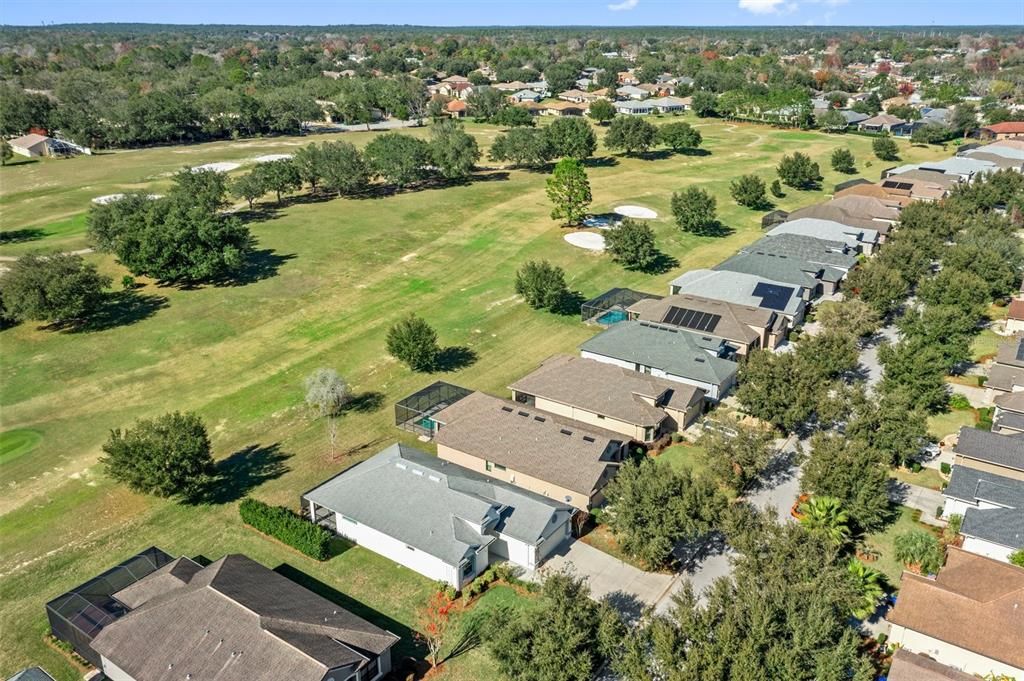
(545, 446)
(31, 674)
(607, 389)
(236, 620)
(671, 349)
(807, 248)
(1003, 526)
(739, 288)
(971, 485)
(785, 268)
(827, 229)
(431, 504)
(982, 445)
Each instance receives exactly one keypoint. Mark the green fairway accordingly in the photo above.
(332, 276)
(16, 443)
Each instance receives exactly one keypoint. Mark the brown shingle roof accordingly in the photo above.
(236, 620)
(975, 603)
(839, 213)
(865, 207)
(542, 445)
(1007, 128)
(736, 320)
(606, 389)
(878, 192)
(908, 666)
(1016, 309)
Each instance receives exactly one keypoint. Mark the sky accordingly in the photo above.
(520, 12)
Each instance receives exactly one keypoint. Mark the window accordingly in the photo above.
(499, 467)
(467, 568)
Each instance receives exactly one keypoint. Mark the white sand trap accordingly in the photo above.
(110, 198)
(272, 157)
(221, 167)
(636, 212)
(587, 240)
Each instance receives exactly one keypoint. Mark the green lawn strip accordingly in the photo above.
(16, 443)
(949, 423)
(882, 542)
(926, 477)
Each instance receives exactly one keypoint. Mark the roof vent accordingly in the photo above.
(563, 431)
(507, 408)
(587, 438)
(524, 413)
(539, 418)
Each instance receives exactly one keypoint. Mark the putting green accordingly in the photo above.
(14, 443)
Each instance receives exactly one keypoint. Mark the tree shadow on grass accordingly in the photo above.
(470, 633)
(662, 263)
(364, 403)
(601, 162)
(258, 213)
(243, 471)
(407, 646)
(260, 265)
(455, 357)
(17, 236)
(569, 304)
(653, 154)
(716, 229)
(120, 308)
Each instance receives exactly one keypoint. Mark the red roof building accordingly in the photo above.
(1001, 131)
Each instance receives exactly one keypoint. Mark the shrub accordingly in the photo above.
(984, 419)
(1017, 558)
(958, 401)
(915, 466)
(882, 638)
(287, 527)
(945, 468)
(776, 189)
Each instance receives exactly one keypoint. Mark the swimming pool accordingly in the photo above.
(612, 317)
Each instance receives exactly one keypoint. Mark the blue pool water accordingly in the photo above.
(612, 317)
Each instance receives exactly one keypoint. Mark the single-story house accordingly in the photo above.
(742, 327)
(920, 185)
(968, 617)
(744, 289)
(1001, 131)
(437, 518)
(632, 92)
(31, 145)
(834, 254)
(512, 86)
(670, 104)
(627, 78)
(892, 197)
(577, 96)
(879, 123)
(633, 108)
(562, 109)
(992, 507)
(525, 96)
(853, 117)
(640, 406)
(236, 620)
(1006, 375)
(1009, 415)
(456, 108)
(863, 238)
(813, 278)
(667, 352)
(990, 452)
(908, 666)
(1003, 157)
(554, 456)
(853, 211)
(965, 168)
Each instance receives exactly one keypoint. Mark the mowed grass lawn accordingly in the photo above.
(334, 276)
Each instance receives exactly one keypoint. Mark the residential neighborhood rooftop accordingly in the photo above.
(828, 229)
(908, 666)
(807, 248)
(742, 289)
(734, 322)
(982, 445)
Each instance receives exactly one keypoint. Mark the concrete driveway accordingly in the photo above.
(921, 498)
(629, 589)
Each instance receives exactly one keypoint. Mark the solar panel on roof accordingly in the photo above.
(772, 296)
(691, 319)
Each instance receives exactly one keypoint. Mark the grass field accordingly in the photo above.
(883, 543)
(332, 276)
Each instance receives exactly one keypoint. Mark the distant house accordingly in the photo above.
(992, 507)
(554, 456)
(640, 406)
(815, 279)
(969, 617)
(966, 169)
(989, 452)
(1001, 131)
(633, 108)
(669, 104)
(627, 78)
(742, 327)
(526, 96)
(512, 86)
(830, 230)
(577, 96)
(632, 92)
(456, 108)
(236, 619)
(879, 123)
(744, 289)
(31, 145)
(1006, 375)
(853, 117)
(439, 519)
(668, 352)
(562, 109)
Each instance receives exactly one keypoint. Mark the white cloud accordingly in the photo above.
(624, 5)
(761, 6)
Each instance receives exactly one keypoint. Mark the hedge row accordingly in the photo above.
(285, 526)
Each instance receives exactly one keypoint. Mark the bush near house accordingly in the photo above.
(283, 525)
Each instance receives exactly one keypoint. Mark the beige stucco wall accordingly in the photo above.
(951, 655)
(960, 460)
(1015, 325)
(580, 500)
(630, 430)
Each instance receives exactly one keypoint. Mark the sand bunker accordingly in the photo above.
(272, 157)
(636, 212)
(221, 167)
(110, 198)
(587, 240)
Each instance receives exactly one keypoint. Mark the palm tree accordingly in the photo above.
(826, 515)
(868, 582)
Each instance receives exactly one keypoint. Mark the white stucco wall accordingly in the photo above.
(389, 547)
(987, 548)
(114, 672)
(951, 655)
